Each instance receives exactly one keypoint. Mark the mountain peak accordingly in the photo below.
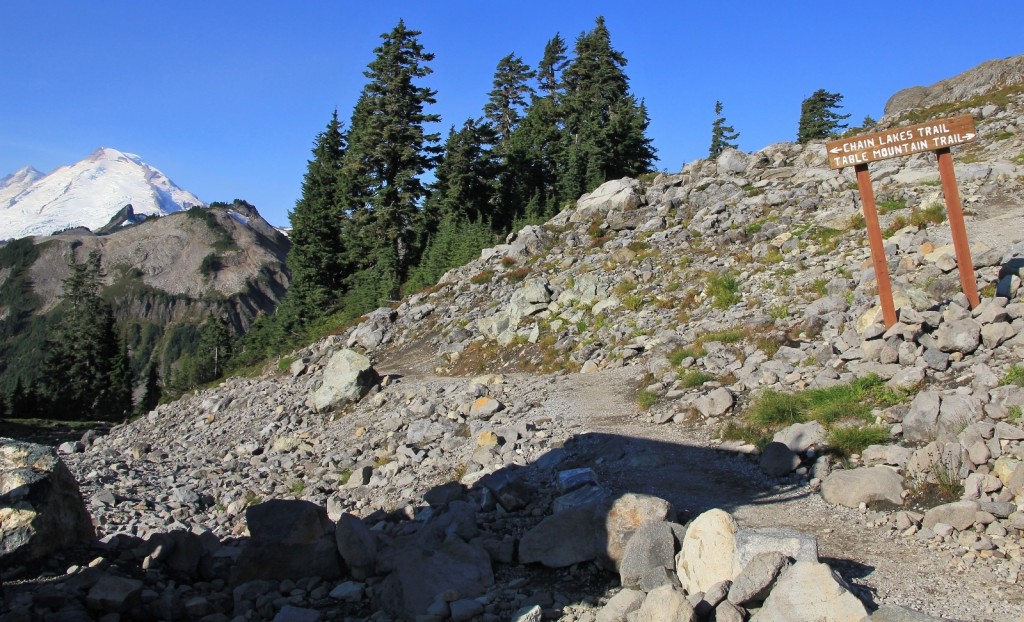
(86, 194)
(24, 176)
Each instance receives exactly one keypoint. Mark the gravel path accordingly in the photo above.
(680, 463)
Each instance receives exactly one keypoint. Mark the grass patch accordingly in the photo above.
(482, 277)
(633, 302)
(1014, 375)
(729, 335)
(677, 356)
(849, 440)
(723, 290)
(285, 363)
(645, 399)
(773, 410)
(885, 207)
(517, 275)
(694, 378)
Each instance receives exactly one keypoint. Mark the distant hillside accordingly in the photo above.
(86, 194)
(163, 277)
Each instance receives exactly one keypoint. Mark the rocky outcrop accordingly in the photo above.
(41, 509)
(988, 76)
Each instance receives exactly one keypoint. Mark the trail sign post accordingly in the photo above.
(938, 136)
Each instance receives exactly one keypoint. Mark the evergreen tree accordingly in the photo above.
(388, 151)
(207, 362)
(85, 370)
(317, 259)
(463, 188)
(549, 70)
(722, 135)
(151, 392)
(818, 117)
(600, 114)
(508, 97)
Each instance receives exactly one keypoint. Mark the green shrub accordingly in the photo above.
(645, 399)
(1014, 375)
(633, 302)
(723, 289)
(774, 410)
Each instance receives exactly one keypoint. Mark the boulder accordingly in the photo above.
(811, 592)
(619, 606)
(920, 424)
(959, 336)
(800, 437)
(41, 508)
(569, 537)
(863, 485)
(652, 546)
(666, 604)
(626, 515)
(289, 539)
(347, 378)
(777, 459)
(708, 549)
(895, 613)
(421, 574)
(357, 546)
(755, 582)
(114, 594)
(799, 545)
(615, 195)
(959, 515)
(715, 403)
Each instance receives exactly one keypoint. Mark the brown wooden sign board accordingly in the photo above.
(900, 141)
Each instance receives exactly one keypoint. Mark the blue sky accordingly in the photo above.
(227, 97)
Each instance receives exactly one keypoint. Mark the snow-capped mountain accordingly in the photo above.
(86, 194)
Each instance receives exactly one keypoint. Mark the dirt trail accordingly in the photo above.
(677, 462)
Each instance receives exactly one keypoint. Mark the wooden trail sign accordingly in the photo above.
(900, 141)
(938, 136)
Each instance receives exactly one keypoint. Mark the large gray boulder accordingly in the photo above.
(959, 336)
(616, 195)
(960, 515)
(755, 582)
(347, 378)
(810, 592)
(649, 553)
(920, 424)
(751, 542)
(357, 546)
(863, 485)
(289, 539)
(572, 536)
(41, 509)
(423, 572)
(777, 459)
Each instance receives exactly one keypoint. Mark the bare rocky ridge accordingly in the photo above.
(986, 77)
(486, 458)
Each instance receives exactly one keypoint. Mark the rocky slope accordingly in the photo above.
(507, 431)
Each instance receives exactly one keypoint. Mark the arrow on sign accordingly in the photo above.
(834, 150)
(969, 136)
